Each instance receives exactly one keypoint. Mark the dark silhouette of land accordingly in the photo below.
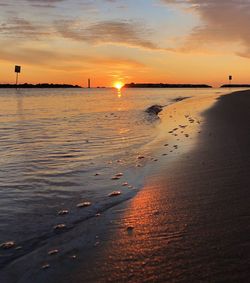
(161, 85)
(236, 85)
(44, 85)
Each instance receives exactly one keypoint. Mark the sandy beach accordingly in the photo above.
(189, 223)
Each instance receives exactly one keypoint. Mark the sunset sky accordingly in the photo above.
(170, 41)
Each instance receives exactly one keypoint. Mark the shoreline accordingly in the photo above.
(152, 215)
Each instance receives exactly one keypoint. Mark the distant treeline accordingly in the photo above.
(161, 85)
(45, 85)
(236, 85)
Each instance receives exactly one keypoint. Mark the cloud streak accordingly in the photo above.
(21, 28)
(108, 32)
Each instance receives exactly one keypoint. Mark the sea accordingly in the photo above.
(69, 154)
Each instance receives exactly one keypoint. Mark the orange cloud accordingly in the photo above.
(222, 22)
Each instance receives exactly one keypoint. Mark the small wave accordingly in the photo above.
(154, 109)
(180, 98)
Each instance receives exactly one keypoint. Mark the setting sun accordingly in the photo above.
(118, 85)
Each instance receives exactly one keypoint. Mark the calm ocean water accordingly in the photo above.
(62, 147)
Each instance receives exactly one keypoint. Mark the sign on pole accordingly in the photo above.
(17, 71)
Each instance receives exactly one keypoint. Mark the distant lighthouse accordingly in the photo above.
(88, 83)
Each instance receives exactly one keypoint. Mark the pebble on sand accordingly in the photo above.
(53, 252)
(7, 245)
(63, 212)
(18, 248)
(115, 194)
(125, 184)
(83, 204)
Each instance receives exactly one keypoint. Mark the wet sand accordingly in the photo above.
(190, 223)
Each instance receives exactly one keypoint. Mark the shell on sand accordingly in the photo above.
(63, 212)
(53, 252)
(140, 157)
(45, 266)
(83, 204)
(119, 174)
(59, 227)
(115, 178)
(115, 194)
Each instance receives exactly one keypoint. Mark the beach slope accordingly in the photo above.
(191, 221)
